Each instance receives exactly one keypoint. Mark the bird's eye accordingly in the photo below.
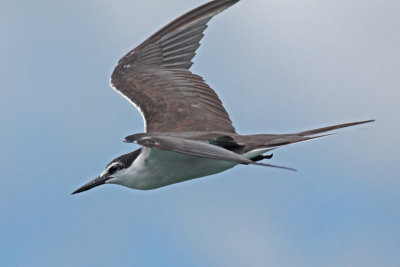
(113, 169)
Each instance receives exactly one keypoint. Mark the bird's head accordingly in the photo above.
(113, 170)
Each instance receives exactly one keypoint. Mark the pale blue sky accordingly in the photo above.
(278, 66)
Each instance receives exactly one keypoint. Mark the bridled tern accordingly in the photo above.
(188, 133)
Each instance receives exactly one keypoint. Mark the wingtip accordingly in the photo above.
(275, 166)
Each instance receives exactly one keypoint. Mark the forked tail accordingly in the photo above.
(286, 139)
(331, 128)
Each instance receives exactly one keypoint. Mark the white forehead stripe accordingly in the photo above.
(106, 170)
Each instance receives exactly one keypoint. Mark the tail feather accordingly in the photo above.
(331, 128)
(271, 141)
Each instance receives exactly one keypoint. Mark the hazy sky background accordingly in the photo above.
(278, 66)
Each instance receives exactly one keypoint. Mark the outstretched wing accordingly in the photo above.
(155, 77)
(196, 148)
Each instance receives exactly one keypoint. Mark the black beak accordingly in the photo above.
(95, 182)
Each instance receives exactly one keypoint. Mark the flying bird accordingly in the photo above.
(188, 133)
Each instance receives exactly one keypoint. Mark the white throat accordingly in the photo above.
(155, 168)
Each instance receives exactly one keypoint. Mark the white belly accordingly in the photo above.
(156, 168)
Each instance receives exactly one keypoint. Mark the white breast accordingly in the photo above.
(155, 168)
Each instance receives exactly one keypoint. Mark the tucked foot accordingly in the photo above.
(261, 157)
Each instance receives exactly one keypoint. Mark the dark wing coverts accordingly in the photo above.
(155, 76)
